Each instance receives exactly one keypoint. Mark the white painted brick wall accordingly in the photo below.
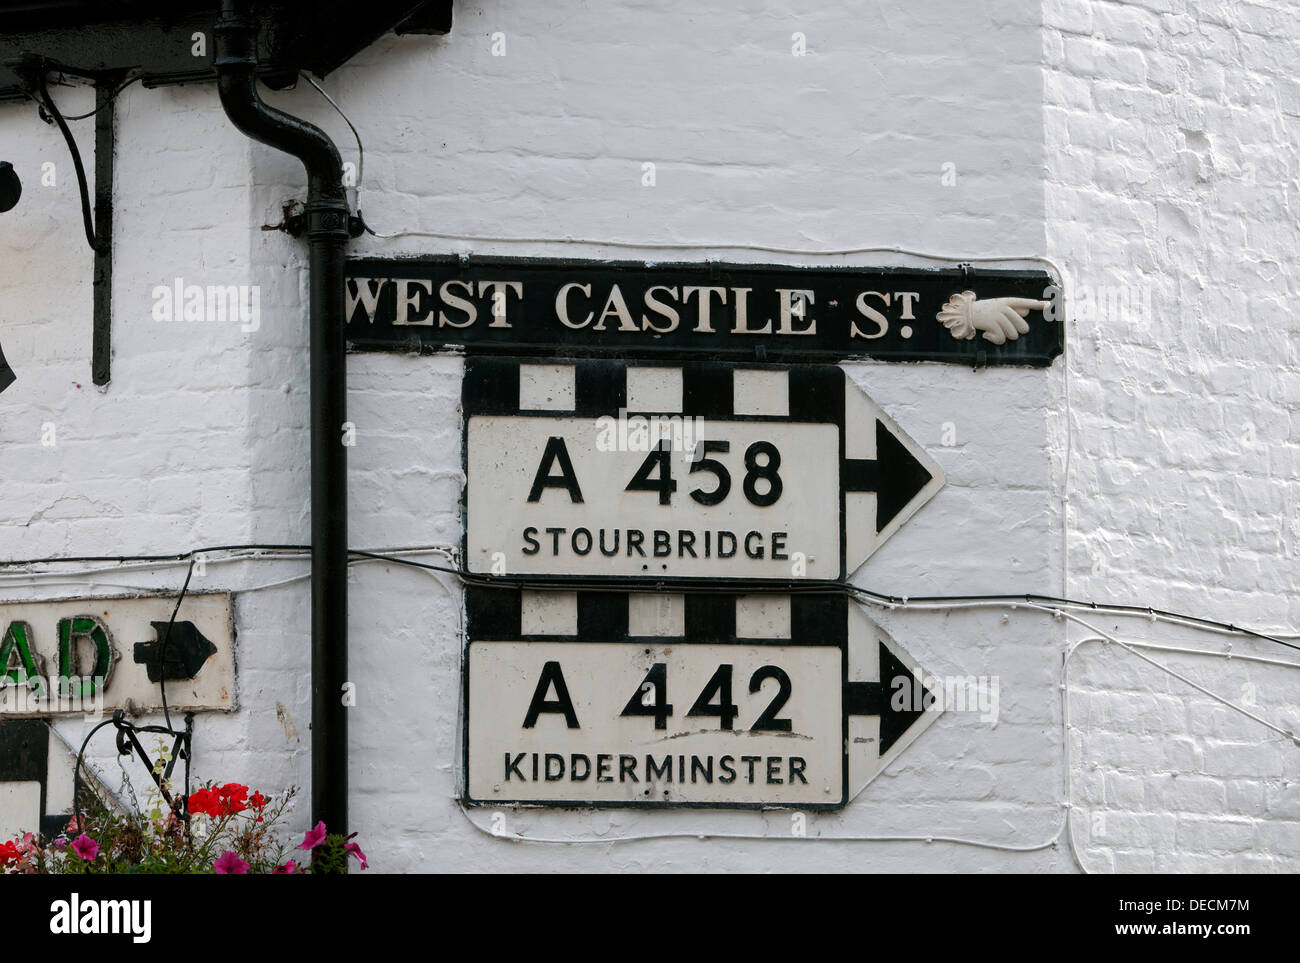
(1166, 172)
(1059, 143)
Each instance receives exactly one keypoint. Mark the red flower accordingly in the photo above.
(229, 864)
(9, 853)
(204, 801)
(220, 801)
(257, 801)
(233, 798)
(287, 869)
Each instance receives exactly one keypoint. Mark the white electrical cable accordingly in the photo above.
(263, 555)
(1130, 645)
(1067, 755)
(1067, 725)
(88, 761)
(1056, 611)
(957, 840)
(138, 565)
(361, 151)
(735, 246)
(236, 555)
(675, 246)
(1177, 675)
(237, 590)
(260, 586)
(1230, 656)
(1052, 841)
(1100, 607)
(1065, 473)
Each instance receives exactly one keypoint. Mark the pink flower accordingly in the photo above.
(355, 850)
(314, 837)
(60, 844)
(288, 869)
(85, 847)
(229, 864)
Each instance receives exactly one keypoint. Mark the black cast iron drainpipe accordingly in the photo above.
(326, 219)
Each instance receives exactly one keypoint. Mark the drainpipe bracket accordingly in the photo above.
(327, 220)
(297, 225)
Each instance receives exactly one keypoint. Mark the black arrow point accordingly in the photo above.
(187, 650)
(900, 477)
(901, 705)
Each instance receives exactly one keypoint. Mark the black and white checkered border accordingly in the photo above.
(707, 389)
(494, 614)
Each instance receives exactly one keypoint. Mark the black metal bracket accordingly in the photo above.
(127, 742)
(296, 224)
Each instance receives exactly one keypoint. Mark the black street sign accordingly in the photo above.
(753, 312)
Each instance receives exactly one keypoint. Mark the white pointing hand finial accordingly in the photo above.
(1001, 319)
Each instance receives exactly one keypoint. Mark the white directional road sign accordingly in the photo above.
(93, 655)
(694, 470)
(652, 699)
